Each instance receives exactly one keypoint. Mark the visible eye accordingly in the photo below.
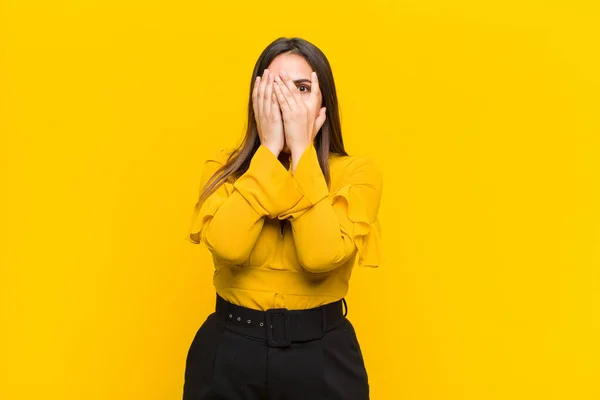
(304, 86)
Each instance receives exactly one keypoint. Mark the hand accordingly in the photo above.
(302, 117)
(267, 114)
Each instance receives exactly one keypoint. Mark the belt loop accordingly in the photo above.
(345, 307)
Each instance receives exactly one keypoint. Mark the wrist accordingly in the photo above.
(273, 149)
(297, 153)
(299, 149)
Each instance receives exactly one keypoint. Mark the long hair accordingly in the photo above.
(328, 139)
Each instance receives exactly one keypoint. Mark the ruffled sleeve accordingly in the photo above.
(268, 187)
(202, 214)
(224, 222)
(366, 228)
(339, 225)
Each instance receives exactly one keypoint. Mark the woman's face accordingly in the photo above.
(298, 70)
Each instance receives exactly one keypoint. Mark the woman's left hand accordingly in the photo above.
(303, 116)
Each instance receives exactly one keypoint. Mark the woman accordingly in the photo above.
(285, 216)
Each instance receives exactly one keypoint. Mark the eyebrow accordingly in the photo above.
(303, 80)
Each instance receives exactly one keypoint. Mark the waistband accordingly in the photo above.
(332, 284)
(279, 327)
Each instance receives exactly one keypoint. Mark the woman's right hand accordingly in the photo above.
(267, 113)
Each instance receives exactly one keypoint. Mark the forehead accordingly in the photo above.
(293, 64)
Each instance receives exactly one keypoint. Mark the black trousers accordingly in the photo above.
(240, 353)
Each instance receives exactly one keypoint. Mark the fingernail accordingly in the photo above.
(283, 73)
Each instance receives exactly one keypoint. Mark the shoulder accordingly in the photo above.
(214, 161)
(220, 156)
(355, 168)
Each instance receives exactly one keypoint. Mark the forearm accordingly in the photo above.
(233, 230)
(329, 229)
(322, 242)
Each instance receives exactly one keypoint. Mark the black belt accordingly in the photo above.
(279, 327)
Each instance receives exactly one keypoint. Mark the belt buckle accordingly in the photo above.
(270, 314)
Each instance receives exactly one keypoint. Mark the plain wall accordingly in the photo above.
(484, 117)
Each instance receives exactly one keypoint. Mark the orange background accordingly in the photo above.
(484, 117)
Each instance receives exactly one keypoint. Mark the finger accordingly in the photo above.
(319, 121)
(275, 105)
(261, 90)
(289, 83)
(285, 91)
(321, 118)
(283, 104)
(268, 96)
(315, 89)
(254, 99)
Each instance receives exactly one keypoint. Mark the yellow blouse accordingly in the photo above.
(261, 263)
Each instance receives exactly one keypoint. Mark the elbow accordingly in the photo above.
(228, 258)
(227, 250)
(318, 263)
